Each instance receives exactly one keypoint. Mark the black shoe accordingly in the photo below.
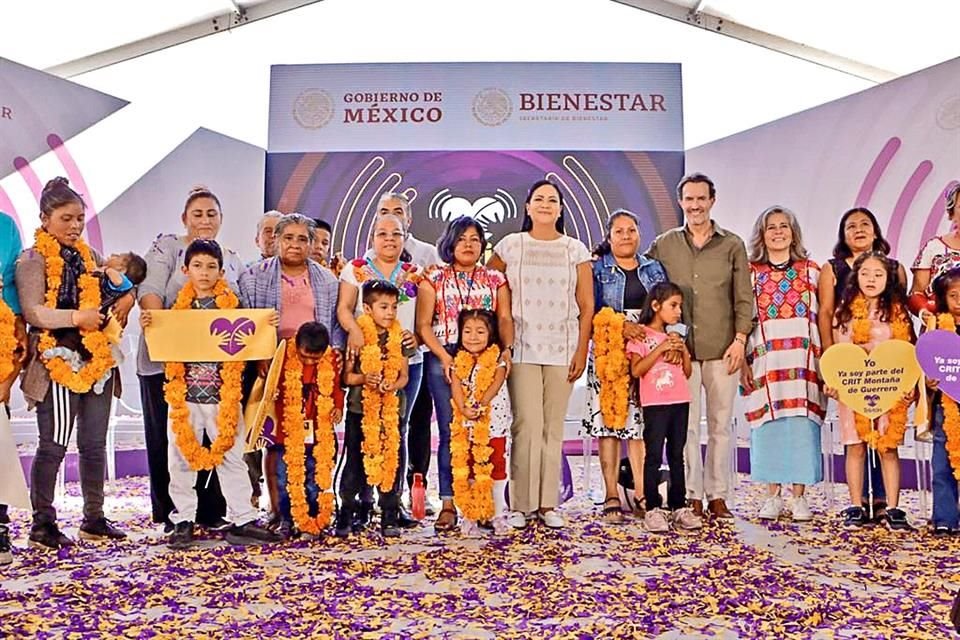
(251, 533)
(168, 528)
(344, 525)
(405, 521)
(182, 536)
(100, 529)
(389, 526)
(361, 517)
(220, 524)
(896, 520)
(854, 517)
(4, 516)
(6, 554)
(47, 535)
(943, 531)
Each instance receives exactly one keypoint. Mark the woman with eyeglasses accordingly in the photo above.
(462, 284)
(939, 254)
(386, 263)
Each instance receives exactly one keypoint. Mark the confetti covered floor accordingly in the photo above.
(744, 579)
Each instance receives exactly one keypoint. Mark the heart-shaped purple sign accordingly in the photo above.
(232, 333)
(938, 353)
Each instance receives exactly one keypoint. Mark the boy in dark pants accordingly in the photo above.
(380, 299)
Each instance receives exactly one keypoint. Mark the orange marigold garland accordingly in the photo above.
(381, 411)
(896, 417)
(951, 412)
(94, 341)
(8, 341)
(471, 438)
(175, 393)
(294, 434)
(612, 367)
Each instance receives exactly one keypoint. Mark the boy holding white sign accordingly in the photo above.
(204, 398)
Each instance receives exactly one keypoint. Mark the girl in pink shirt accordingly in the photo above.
(661, 361)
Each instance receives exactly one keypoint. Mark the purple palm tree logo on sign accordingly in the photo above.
(232, 334)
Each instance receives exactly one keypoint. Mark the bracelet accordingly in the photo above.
(741, 340)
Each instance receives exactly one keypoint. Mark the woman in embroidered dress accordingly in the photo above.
(784, 402)
(938, 255)
(62, 216)
(387, 237)
(552, 292)
(622, 278)
(463, 284)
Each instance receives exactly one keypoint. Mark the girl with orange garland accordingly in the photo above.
(204, 398)
(946, 417)
(481, 423)
(872, 310)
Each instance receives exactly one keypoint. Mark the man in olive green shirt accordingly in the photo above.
(709, 264)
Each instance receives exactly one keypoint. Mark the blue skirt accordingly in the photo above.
(786, 450)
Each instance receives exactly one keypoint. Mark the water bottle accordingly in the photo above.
(418, 498)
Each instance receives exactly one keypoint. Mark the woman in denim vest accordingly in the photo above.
(622, 277)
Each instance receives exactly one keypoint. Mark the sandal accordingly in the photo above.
(640, 508)
(614, 513)
(445, 526)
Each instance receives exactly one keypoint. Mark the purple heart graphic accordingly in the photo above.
(872, 400)
(231, 334)
(267, 429)
(938, 353)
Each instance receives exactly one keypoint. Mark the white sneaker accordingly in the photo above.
(687, 520)
(771, 508)
(655, 521)
(517, 520)
(801, 510)
(553, 520)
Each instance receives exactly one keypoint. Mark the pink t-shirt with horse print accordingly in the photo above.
(664, 383)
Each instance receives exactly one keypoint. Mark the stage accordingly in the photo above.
(744, 579)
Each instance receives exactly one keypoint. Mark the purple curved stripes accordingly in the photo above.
(22, 165)
(6, 206)
(937, 214)
(94, 236)
(906, 198)
(876, 171)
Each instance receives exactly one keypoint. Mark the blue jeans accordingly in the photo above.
(945, 510)
(440, 392)
(313, 491)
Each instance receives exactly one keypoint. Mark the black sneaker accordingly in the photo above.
(251, 533)
(361, 517)
(344, 525)
(896, 520)
(182, 536)
(389, 526)
(405, 521)
(220, 524)
(46, 535)
(100, 529)
(943, 531)
(854, 517)
(6, 554)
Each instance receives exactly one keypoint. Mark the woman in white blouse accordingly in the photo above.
(552, 303)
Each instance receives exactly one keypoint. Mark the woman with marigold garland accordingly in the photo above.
(945, 418)
(372, 443)
(204, 401)
(60, 296)
(622, 279)
(481, 403)
(785, 412)
(873, 309)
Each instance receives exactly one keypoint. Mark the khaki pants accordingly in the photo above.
(710, 476)
(539, 395)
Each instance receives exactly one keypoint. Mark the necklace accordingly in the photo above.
(464, 301)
